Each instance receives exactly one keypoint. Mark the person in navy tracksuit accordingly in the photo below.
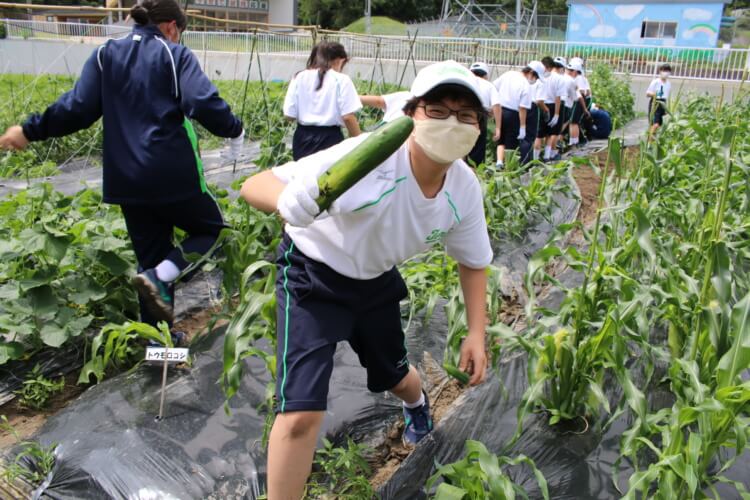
(146, 87)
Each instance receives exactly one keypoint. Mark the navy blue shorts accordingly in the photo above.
(317, 308)
(309, 139)
(510, 128)
(656, 111)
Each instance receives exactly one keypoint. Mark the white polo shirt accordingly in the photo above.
(583, 85)
(385, 218)
(323, 107)
(554, 87)
(660, 88)
(488, 94)
(514, 90)
(571, 90)
(394, 105)
(537, 92)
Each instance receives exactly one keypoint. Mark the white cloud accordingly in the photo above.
(688, 34)
(603, 31)
(575, 27)
(627, 12)
(634, 36)
(694, 14)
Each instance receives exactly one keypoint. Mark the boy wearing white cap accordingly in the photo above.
(337, 277)
(491, 103)
(575, 103)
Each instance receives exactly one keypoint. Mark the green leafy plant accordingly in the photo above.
(118, 347)
(37, 389)
(41, 458)
(340, 473)
(479, 475)
(612, 94)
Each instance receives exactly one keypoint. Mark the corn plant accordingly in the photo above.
(118, 347)
(479, 475)
(340, 472)
(37, 389)
(33, 462)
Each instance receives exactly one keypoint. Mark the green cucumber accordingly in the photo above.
(361, 160)
(454, 372)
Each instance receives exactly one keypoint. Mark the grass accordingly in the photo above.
(380, 26)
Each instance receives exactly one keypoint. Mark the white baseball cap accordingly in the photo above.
(538, 68)
(576, 66)
(480, 66)
(443, 73)
(561, 61)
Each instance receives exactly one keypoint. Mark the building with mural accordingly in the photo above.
(680, 23)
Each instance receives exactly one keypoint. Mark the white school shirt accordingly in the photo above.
(571, 90)
(394, 105)
(554, 87)
(385, 218)
(514, 90)
(583, 85)
(324, 107)
(488, 94)
(537, 92)
(660, 89)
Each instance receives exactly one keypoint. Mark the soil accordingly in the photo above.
(27, 421)
(588, 183)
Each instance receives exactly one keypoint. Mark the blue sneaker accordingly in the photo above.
(156, 295)
(418, 423)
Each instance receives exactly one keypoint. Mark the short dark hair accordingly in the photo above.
(548, 62)
(159, 11)
(665, 67)
(437, 94)
(528, 70)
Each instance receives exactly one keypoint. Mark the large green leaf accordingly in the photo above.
(737, 358)
(10, 350)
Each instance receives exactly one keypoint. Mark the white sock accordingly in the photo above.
(419, 402)
(167, 271)
(499, 164)
(547, 152)
(573, 141)
(536, 153)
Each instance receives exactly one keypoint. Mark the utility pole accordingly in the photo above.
(518, 19)
(368, 16)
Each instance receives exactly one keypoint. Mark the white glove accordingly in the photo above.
(522, 133)
(235, 146)
(297, 203)
(554, 120)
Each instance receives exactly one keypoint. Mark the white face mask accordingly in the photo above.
(445, 141)
(665, 74)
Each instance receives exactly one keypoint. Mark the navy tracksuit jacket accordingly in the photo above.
(146, 87)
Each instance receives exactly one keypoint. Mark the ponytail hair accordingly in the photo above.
(158, 11)
(321, 57)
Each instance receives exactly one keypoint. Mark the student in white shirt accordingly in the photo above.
(491, 103)
(577, 109)
(337, 278)
(322, 100)
(515, 100)
(392, 104)
(658, 94)
(534, 72)
(555, 91)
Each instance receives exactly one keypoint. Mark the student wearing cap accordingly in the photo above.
(491, 103)
(575, 103)
(515, 99)
(392, 104)
(554, 88)
(584, 87)
(534, 72)
(337, 278)
(658, 94)
(321, 99)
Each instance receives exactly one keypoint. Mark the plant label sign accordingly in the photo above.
(173, 355)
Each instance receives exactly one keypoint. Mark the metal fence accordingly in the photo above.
(686, 62)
